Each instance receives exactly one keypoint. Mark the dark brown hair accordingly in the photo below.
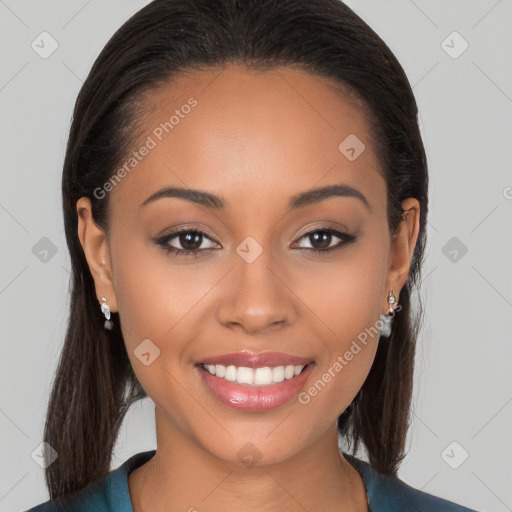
(94, 383)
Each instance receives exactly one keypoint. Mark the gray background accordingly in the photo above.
(463, 391)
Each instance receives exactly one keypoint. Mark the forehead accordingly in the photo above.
(234, 130)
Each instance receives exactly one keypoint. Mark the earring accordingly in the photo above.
(106, 311)
(387, 318)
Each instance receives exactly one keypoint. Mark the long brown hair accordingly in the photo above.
(94, 383)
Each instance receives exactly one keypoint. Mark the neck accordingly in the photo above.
(182, 476)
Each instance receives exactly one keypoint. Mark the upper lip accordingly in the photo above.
(260, 360)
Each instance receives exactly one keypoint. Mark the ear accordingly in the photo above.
(402, 248)
(95, 245)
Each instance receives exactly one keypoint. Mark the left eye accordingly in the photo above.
(323, 237)
(191, 240)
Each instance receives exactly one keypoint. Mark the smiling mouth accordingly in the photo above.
(257, 377)
(255, 382)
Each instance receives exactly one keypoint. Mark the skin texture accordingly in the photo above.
(255, 139)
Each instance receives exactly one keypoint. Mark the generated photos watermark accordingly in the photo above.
(157, 135)
(341, 361)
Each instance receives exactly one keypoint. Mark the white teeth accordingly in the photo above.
(230, 373)
(263, 376)
(278, 374)
(289, 372)
(211, 368)
(254, 376)
(245, 375)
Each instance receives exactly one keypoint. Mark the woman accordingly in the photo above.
(245, 202)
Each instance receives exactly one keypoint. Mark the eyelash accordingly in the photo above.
(346, 239)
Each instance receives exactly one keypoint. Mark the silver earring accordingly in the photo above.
(106, 311)
(387, 318)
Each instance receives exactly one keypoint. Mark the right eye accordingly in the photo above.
(190, 239)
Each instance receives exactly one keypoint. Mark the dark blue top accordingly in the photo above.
(385, 493)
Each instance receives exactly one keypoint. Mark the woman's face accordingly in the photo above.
(250, 283)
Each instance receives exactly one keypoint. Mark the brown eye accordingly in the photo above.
(189, 241)
(320, 240)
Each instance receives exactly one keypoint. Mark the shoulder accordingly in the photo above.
(110, 494)
(390, 494)
(93, 497)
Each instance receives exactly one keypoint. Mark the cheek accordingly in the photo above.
(153, 303)
(345, 297)
(346, 301)
(161, 306)
(153, 292)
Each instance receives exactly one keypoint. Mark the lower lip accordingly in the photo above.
(254, 398)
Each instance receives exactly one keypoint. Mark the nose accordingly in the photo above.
(257, 297)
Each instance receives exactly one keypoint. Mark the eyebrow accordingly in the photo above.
(297, 201)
